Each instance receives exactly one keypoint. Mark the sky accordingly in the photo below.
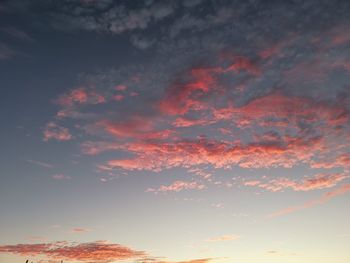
(185, 131)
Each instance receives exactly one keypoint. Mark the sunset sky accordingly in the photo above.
(184, 131)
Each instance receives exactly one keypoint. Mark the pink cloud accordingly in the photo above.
(182, 97)
(157, 155)
(323, 199)
(185, 122)
(242, 63)
(342, 160)
(80, 96)
(121, 87)
(129, 128)
(178, 186)
(282, 111)
(75, 96)
(118, 97)
(135, 127)
(54, 131)
(319, 181)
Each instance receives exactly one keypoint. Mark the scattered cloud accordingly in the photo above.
(324, 198)
(178, 186)
(223, 238)
(56, 132)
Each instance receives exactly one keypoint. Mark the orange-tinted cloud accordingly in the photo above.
(203, 260)
(80, 230)
(86, 252)
(61, 177)
(324, 198)
(342, 160)
(223, 238)
(97, 252)
(56, 132)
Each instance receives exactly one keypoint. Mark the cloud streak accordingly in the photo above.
(321, 200)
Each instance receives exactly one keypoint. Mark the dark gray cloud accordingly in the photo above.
(6, 52)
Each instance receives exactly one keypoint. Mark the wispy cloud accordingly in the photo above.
(318, 181)
(17, 33)
(324, 198)
(61, 177)
(223, 238)
(6, 52)
(42, 164)
(80, 230)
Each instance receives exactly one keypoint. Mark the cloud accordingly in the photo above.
(36, 238)
(318, 181)
(85, 252)
(223, 238)
(324, 198)
(203, 260)
(178, 186)
(342, 160)
(80, 230)
(157, 156)
(42, 164)
(108, 17)
(6, 52)
(142, 43)
(61, 177)
(56, 132)
(237, 96)
(18, 34)
(99, 252)
(80, 96)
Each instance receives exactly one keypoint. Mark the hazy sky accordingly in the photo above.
(192, 131)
